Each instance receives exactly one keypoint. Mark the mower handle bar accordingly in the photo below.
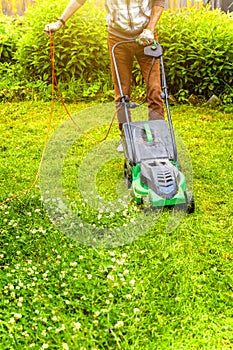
(155, 51)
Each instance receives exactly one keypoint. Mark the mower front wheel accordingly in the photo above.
(190, 202)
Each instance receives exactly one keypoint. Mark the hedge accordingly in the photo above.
(197, 45)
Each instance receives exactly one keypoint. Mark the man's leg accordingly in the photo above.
(151, 76)
(124, 55)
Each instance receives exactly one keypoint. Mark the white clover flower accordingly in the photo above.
(17, 316)
(128, 296)
(54, 318)
(104, 310)
(132, 282)
(11, 320)
(126, 272)
(63, 327)
(45, 346)
(73, 264)
(121, 262)
(25, 334)
(119, 324)
(65, 346)
(110, 277)
(136, 310)
(77, 325)
(89, 276)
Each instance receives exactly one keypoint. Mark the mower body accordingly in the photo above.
(150, 167)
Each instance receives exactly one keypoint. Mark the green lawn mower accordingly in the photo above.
(152, 168)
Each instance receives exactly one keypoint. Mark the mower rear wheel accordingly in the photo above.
(128, 174)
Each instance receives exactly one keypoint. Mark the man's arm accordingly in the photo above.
(71, 8)
(155, 15)
(147, 36)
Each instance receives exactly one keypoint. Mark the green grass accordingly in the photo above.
(165, 290)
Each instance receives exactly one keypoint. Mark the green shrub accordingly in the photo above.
(198, 51)
(198, 54)
(10, 32)
(80, 47)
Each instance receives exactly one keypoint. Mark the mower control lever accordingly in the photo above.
(132, 105)
(154, 50)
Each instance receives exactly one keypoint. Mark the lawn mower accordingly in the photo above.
(152, 168)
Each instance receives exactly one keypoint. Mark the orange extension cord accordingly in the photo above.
(55, 84)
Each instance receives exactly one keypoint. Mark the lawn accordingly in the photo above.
(153, 282)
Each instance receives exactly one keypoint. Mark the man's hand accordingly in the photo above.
(52, 27)
(146, 37)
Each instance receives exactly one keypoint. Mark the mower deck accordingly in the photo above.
(150, 168)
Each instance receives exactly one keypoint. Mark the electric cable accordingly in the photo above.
(55, 84)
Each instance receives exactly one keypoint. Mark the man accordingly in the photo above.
(129, 19)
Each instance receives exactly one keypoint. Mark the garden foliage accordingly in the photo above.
(198, 53)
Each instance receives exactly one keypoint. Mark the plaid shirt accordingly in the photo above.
(127, 18)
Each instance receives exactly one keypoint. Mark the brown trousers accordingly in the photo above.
(124, 55)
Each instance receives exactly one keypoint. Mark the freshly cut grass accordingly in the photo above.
(165, 290)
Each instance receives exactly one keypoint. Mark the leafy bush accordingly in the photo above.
(80, 47)
(198, 51)
(10, 31)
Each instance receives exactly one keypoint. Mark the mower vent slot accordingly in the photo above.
(160, 177)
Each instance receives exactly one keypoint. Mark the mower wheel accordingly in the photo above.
(190, 203)
(128, 174)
